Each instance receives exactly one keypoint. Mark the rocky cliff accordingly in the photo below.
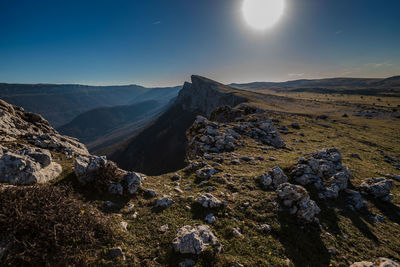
(165, 140)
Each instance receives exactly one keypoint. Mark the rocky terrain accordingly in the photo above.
(252, 185)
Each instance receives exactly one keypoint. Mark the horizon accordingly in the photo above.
(188, 80)
(156, 44)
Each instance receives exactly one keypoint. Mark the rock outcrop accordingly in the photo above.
(16, 123)
(209, 201)
(93, 169)
(378, 187)
(273, 178)
(207, 136)
(194, 239)
(27, 166)
(325, 171)
(296, 198)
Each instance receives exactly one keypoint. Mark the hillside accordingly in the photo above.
(60, 103)
(265, 180)
(98, 122)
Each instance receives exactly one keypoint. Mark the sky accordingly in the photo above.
(161, 43)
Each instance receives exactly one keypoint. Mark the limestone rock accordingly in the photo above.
(273, 178)
(209, 201)
(325, 171)
(194, 239)
(27, 166)
(86, 168)
(164, 202)
(210, 218)
(116, 189)
(296, 198)
(354, 199)
(378, 187)
(133, 181)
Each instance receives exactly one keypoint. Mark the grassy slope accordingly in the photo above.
(352, 234)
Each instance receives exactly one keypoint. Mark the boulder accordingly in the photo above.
(116, 189)
(273, 178)
(210, 218)
(194, 239)
(325, 171)
(164, 202)
(297, 199)
(133, 181)
(86, 168)
(354, 199)
(378, 187)
(27, 166)
(207, 200)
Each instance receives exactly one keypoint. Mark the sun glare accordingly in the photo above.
(262, 14)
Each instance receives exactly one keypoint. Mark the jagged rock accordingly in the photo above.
(194, 239)
(210, 218)
(27, 166)
(378, 187)
(296, 198)
(325, 171)
(228, 114)
(209, 201)
(133, 181)
(86, 168)
(354, 199)
(164, 202)
(16, 123)
(381, 262)
(273, 178)
(115, 189)
(116, 253)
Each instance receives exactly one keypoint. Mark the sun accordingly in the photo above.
(262, 14)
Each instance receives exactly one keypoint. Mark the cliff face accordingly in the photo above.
(204, 95)
(160, 148)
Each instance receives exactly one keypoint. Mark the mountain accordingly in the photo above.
(164, 141)
(60, 103)
(98, 122)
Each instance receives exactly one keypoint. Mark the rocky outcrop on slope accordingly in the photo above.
(273, 178)
(207, 136)
(195, 239)
(378, 187)
(296, 198)
(27, 141)
(27, 166)
(325, 171)
(99, 170)
(204, 95)
(17, 124)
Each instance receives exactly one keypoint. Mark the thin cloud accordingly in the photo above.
(338, 32)
(156, 22)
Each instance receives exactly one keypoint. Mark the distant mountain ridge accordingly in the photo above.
(369, 86)
(60, 103)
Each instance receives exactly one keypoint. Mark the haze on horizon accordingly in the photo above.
(159, 43)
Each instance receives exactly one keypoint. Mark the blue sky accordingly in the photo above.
(159, 42)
